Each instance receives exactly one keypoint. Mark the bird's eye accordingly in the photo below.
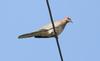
(69, 18)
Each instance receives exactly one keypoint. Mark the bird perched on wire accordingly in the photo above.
(47, 31)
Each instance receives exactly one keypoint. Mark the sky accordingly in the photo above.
(80, 40)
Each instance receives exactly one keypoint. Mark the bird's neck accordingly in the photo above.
(65, 21)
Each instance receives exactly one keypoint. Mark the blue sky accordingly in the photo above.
(79, 41)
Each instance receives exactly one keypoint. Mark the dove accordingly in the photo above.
(47, 31)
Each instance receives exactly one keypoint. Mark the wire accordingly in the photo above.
(56, 37)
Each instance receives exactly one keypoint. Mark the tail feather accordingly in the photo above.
(28, 35)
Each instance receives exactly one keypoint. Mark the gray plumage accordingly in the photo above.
(47, 30)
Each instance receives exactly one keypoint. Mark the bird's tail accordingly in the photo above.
(28, 35)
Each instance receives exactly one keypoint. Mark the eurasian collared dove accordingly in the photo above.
(47, 30)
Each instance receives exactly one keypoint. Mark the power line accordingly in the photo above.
(56, 37)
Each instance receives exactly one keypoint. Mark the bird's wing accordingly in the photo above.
(49, 26)
(42, 31)
(36, 33)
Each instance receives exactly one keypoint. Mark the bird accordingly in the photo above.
(47, 31)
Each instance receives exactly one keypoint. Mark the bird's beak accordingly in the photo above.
(70, 21)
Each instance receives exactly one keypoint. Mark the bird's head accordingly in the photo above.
(68, 19)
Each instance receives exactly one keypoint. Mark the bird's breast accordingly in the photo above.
(58, 30)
